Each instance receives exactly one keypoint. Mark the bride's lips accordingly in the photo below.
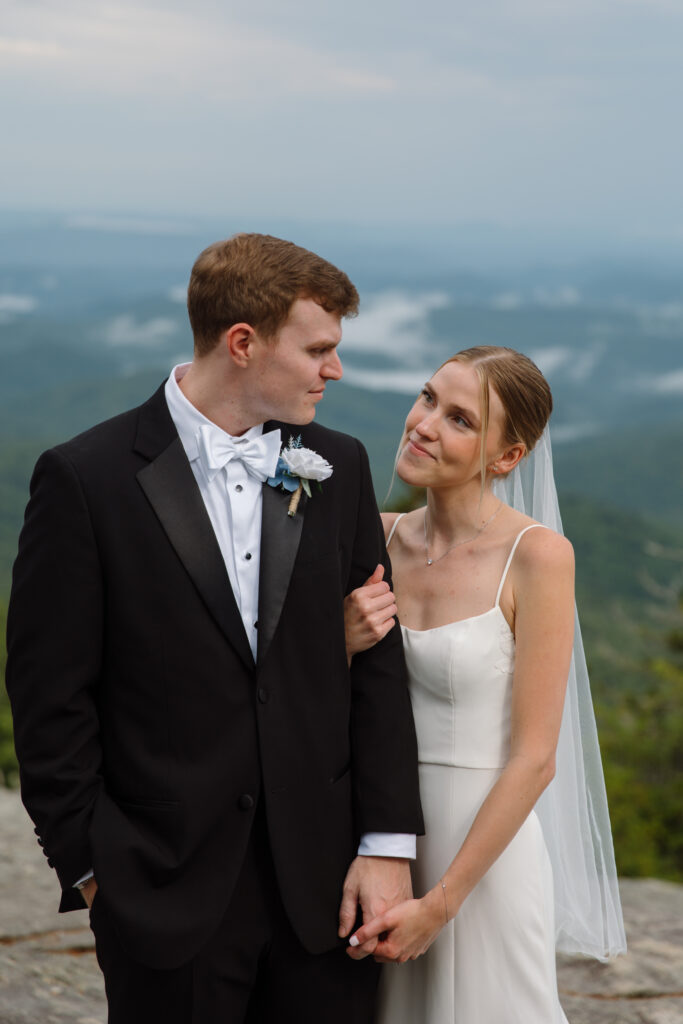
(417, 449)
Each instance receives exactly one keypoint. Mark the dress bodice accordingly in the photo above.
(460, 678)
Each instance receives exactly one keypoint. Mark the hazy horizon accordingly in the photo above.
(517, 112)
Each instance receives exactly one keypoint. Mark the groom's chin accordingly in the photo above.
(303, 417)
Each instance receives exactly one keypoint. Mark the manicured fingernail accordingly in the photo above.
(353, 941)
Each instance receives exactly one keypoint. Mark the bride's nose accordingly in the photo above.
(427, 425)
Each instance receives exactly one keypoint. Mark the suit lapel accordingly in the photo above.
(280, 537)
(172, 491)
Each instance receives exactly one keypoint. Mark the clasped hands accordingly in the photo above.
(395, 927)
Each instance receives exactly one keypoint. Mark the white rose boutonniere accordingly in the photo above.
(296, 467)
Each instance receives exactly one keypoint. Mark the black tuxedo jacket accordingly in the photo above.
(145, 731)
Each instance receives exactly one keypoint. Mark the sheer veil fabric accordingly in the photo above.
(573, 809)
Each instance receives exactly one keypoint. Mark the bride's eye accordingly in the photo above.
(461, 421)
(427, 395)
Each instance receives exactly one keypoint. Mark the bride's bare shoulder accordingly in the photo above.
(388, 520)
(545, 549)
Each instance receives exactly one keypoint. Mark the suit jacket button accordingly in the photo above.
(263, 696)
(245, 802)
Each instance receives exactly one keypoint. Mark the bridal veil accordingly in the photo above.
(573, 809)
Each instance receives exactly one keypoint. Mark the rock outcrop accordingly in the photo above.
(49, 974)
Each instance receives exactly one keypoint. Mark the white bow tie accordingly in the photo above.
(259, 454)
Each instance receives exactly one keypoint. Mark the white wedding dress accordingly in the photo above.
(495, 962)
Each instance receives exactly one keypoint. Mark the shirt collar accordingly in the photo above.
(188, 419)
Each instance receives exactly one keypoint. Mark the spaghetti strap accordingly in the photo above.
(395, 524)
(510, 556)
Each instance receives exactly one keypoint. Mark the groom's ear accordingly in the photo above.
(239, 341)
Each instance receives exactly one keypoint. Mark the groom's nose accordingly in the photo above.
(332, 367)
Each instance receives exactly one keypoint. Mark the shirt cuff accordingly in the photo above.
(85, 878)
(387, 844)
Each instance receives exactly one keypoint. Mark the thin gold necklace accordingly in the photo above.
(431, 561)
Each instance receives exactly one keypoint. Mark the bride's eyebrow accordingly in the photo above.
(455, 407)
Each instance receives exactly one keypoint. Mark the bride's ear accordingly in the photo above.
(507, 460)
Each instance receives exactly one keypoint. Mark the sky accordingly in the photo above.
(512, 112)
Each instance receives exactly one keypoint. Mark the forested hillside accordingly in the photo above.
(91, 321)
(629, 572)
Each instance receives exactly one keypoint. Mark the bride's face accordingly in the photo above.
(442, 437)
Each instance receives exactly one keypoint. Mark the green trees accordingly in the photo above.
(641, 737)
(634, 643)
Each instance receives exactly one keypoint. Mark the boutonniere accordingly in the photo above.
(296, 467)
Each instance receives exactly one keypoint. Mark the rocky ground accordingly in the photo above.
(49, 975)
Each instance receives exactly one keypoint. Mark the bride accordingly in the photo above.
(513, 865)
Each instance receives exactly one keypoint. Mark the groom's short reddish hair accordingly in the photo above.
(255, 279)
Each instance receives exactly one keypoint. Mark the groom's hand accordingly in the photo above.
(377, 884)
(88, 892)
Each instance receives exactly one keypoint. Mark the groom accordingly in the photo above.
(195, 753)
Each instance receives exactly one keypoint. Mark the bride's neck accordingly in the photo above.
(456, 513)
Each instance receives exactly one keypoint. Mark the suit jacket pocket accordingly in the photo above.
(158, 824)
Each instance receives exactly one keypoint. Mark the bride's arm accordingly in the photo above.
(543, 586)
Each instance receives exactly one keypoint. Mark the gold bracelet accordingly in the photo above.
(445, 898)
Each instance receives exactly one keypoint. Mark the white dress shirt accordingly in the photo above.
(233, 501)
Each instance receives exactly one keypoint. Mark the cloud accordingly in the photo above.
(178, 293)
(585, 362)
(124, 330)
(144, 51)
(661, 321)
(563, 297)
(395, 323)
(507, 301)
(10, 303)
(363, 81)
(548, 360)
(573, 432)
(576, 364)
(32, 48)
(664, 384)
(407, 382)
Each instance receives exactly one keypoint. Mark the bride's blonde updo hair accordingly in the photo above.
(523, 390)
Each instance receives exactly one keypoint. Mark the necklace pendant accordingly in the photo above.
(430, 561)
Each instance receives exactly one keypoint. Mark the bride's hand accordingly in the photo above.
(368, 613)
(410, 928)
